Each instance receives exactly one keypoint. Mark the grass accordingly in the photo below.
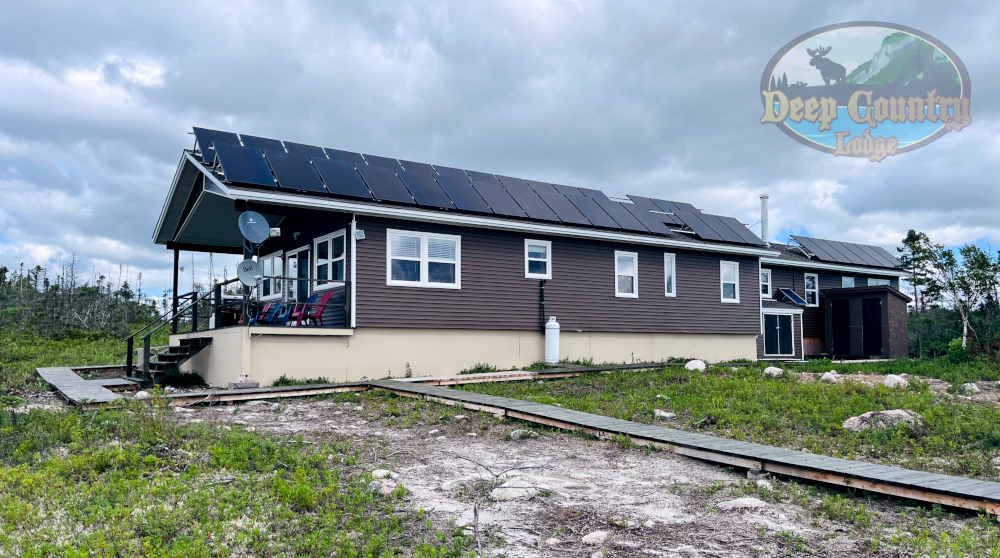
(130, 482)
(957, 437)
(284, 380)
(939, 368)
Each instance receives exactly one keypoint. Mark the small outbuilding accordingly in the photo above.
(866, 322)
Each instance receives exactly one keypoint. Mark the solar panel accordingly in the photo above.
(697, 225)
(509, 181)
(648, 220)
(422, 168)
(648, 204)
(541, 186)
(483, 177)
(451, 172)
(376, 161)
(532, 204)
(791, 295)
(723, 230)
(622, 216)
(858, 251)
(886, 256)
(425, 190)
(244, 164)
(463, 194)
(385, 184)
(342, 178)
(294, 171)
(261, 143)
(592, 211)
(842, 254)
(500, 201)
(592, 193)
(568, 190)
(664, 205)
(348, 156)
(685, 207)
(873, 254)
(303, 149)
(739, 228)
(563, 208)
(206, 138)
(815, 249)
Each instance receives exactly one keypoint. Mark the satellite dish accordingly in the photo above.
(254, 227)
(250, 272)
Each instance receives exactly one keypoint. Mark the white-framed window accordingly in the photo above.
(765, 283)
(626, 274)
(328, 260)
(812, 289)
(847, 282)
(729, 279)
(669, 275)
(872, 282)
(270, 287)
(415, 259)
(537, 259)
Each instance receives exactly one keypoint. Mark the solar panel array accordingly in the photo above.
(264, 162)
(847, 252)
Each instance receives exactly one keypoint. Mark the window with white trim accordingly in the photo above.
(328, 262)
(765, 283)
(669, 275)
(270, 286)
(626, 274)
(417, 259)
(847, 282)
(729, 279)
(872, 282)
(812, 289)
(537, 259)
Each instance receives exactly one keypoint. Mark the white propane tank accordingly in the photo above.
(551, 341)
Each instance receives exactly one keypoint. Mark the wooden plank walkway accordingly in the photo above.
(74, 388)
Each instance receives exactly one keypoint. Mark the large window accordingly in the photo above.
(270, 287)
(872, 282)
(669, 275)
(847, 282)
(424, 260)
(538, 259)
(729, 275)
(328, 263)
(626, 274)
(812, 289)
(765, 283)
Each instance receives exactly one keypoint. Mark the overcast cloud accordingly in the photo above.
(654, 98)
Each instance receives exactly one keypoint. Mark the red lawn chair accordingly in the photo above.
(312, 310)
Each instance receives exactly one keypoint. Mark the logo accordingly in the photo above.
(866, 89)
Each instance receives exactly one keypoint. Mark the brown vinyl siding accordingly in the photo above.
(581, 294)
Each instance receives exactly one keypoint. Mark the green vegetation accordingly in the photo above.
(286, 381)
(957, 437)
(130, 483)
(950, 369)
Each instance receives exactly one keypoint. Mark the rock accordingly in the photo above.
(381, 486)
(433, 432)
(755, 474)
(275, 407)
(441, 438)
(782, 517)
(894, 381)
(169, 389)
(773, 372)
(598, 554)
(471, 434)
(552, 542)
(741, 504)
(522, 434)
(597, 537)
(649, 524)
(882, 420)
(506, 494)
(970, 388)
(666, 415)
(764, 485)
(458, 417)
(830, 377)
(142, 395)
(696, 364)
(384, 474)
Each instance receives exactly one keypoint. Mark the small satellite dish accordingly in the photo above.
(254, 227)
(249, 272)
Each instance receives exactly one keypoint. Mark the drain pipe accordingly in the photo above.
(763, 219)
(542, 300)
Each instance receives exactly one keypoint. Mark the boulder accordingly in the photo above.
(970, 388)
(882, 420)
(142, 395)
(661, 414)
(506, 494)
(649, 524)
(595, 538)
(696, 364)
(522, 434)
(552, 542)
(830, 377)
(381, 486)
(894, 381)
(384, 474)
(774, 372)
(741, 504)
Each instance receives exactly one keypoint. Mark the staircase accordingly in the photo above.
(167, 362)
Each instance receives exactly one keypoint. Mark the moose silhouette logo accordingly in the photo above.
(892, 89)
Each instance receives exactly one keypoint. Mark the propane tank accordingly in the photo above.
(551, 341)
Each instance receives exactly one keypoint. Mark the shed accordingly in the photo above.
(866, 322)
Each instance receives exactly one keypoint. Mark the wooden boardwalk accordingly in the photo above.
(76, 389)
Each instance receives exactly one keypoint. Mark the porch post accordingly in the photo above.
(177, 262)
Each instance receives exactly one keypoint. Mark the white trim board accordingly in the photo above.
(834, 267)
(793, 311)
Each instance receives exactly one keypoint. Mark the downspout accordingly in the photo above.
(542, 300)
(354, 270)
(177, 263)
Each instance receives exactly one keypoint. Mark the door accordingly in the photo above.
(297, 265)
(840, 344)
(871, 320)
(778, 335)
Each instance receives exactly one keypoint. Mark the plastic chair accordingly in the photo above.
(312, 310)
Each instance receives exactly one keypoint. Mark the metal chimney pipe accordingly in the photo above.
(763, 219)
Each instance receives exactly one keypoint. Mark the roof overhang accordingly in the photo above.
(852, 291)
(880, 272)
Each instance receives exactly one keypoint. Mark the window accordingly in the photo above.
(297, 267)
(270, 287)
(538, 259)
(765, 283)
(729, 275)
(424, 260)
(877, 282)
(847, 282)
(328, 265)
(626, 274)
(669, 275)
(812, 289)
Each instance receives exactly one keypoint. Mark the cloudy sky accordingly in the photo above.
(651, 98)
